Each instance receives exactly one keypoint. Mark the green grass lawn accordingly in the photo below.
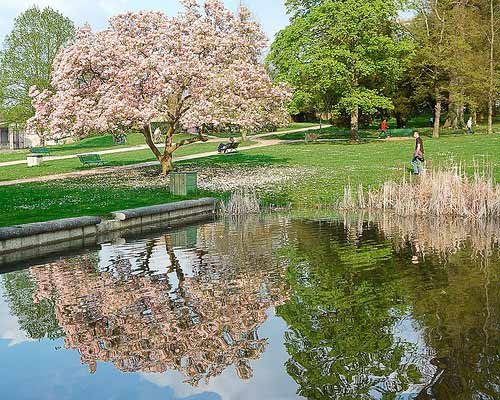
(73, 164)
(332, 165)
(369, 163)
(292, 126)
(372, 132)
(298, 125)
(39, 202)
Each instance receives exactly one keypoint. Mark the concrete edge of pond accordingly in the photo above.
(37, 235)
(34, 256)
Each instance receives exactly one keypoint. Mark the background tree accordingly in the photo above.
(198, 68)
(26, 59)
(38, 320)
(341, 56)
(452, 65)
(494, 78)
(431, 64)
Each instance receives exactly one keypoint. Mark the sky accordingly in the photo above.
(270, 13)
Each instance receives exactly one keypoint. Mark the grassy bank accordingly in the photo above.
(328, 167)
(97, 143)
(71, 198)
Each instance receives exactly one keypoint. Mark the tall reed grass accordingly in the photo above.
(241, 202)
(439, 192)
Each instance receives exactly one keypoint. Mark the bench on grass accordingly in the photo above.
(398, 132)
(229, 148)
(40, 150)
(91, 159)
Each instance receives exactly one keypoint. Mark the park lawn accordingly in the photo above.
(370, 163)
(105, 142)
(298, 125)
(91, 144)
(38, 202)
(331, 165)
(341, 133)
(113, 160)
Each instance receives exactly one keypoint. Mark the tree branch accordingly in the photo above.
(149, 140)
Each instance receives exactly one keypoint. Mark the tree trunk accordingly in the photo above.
(460, 116)
(437, 115)
(492, 70)
(166, 163)
(490, 114)
(243, 135)
(146, 131)
(453, 115)
(354, 123)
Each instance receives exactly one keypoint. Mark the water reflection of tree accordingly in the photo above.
(199, 323)
(460, 314)
(451, 284)
(37, 320)
(344, 304)
(454, 295)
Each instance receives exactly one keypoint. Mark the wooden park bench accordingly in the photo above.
(91, 159)
(40, 150)
(398, 132)
(230, 148)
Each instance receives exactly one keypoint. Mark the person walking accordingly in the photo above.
(470, 131)
(418, 155)
(384, 127)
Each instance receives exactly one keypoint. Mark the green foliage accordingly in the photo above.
(38, 320)
(340, 55)
(27, 57)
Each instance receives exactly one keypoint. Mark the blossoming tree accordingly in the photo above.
(198, 68)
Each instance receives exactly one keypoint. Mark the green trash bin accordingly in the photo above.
(183, 183)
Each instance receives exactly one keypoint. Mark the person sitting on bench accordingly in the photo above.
(223, 147)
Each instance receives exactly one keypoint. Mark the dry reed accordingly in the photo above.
(440, 192)
(442, 236)
(241, 202)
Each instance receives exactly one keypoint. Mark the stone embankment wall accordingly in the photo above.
(16, 242)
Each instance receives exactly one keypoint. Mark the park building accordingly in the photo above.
(13, 136)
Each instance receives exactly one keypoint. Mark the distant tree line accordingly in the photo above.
(355, 59)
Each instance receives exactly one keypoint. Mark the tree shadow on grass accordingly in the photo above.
(236, 159)
(331, 143)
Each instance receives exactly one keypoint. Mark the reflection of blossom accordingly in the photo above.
(140, 321)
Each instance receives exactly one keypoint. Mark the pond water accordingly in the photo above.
(271, 307)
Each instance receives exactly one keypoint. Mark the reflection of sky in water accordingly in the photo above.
(9, 326)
